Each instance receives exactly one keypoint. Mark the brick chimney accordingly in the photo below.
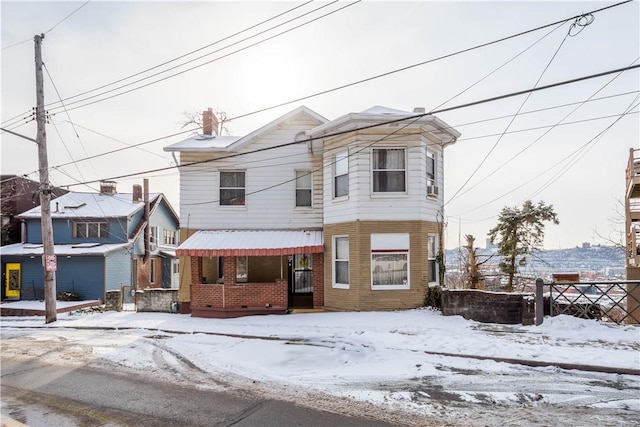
(137, 193)
(209, 122)
(107, 187)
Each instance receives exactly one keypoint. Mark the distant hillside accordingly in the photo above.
(595, 261)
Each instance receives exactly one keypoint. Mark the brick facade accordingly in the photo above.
(360, 295)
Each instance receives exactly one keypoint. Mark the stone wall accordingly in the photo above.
(489, 307)
(157, 299)
(113, 300)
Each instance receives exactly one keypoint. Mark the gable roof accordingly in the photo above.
(91, 205)
(209, 143)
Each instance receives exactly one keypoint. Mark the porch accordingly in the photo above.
(239, 273)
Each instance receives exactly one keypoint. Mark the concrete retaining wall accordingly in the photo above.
(157, 300)
(489, 307)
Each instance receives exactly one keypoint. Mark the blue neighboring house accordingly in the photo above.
(103, 241)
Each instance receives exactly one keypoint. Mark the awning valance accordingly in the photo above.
(208, 243)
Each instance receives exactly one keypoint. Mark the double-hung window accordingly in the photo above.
(390, 261)
(232, 188)
(432, 253)
(303, 188)
(341, 262)
(169, 237)
(431, 169)
(91, 229)
(341, 174)
(389, 170)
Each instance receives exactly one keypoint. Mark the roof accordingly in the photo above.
(91, 205)
(381, 114)
(251, 243)
(78, 249)
(209, 143)
(203, 143)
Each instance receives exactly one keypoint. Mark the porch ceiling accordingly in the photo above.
(208, 243)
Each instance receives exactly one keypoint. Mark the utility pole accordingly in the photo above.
(48, 256)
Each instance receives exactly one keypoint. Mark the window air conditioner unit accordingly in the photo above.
(432, 190)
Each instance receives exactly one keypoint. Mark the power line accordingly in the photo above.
(49, 30)
(411, 117)
(410, 66)
(194, 67)
(187, 54)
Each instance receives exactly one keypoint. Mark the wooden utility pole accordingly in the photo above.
(48, 257)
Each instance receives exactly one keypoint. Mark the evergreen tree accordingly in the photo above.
(518, 232)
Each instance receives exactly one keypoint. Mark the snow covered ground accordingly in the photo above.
(397, 366)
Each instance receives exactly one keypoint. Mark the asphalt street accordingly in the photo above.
(85, 396)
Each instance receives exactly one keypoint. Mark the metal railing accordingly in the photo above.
(608, 301)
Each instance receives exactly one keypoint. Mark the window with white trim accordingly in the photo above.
(432, 253)
(431, 168)
(153, 236)
(232, 188)
(389, 174)
(83, 230)
(341, 174)
(303, 188)
(390, 261)
(169, 237)
(341, 262)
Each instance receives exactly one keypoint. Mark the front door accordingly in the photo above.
(301, 281)
(12, 280)
(175, 273)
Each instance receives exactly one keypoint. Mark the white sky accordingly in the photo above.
(380, 357)
(105, 41)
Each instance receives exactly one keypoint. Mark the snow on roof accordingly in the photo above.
(379, 109)
(91, 205)
(203, 143)
(223, 143)
(251, 243)
(27, 249)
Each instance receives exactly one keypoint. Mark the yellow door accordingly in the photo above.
(12, 281)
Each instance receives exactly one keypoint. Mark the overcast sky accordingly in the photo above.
(568, 166)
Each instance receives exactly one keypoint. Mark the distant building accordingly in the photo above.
(490, 245)
(18, 195)
(586, 245)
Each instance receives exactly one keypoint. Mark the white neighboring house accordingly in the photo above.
(305, 212)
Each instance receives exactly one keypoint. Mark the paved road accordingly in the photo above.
(35, 393)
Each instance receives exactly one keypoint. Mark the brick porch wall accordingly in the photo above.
(239, 295)
(318, 280)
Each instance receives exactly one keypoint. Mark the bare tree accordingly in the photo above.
(195, 118)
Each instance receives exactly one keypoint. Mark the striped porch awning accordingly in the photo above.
(209, 243)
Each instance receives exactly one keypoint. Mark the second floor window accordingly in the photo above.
(431, 169)
(341, 174)
(90, 229)
(388, 169)
(232, 188)
(169, 237)
(303, 188)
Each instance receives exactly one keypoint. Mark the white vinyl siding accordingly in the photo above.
(270, 204)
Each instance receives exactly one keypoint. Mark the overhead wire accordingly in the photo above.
(493, 147)
(49, 30)
(193, 67)
(469, 104)
(549, 129)
(423, 62)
